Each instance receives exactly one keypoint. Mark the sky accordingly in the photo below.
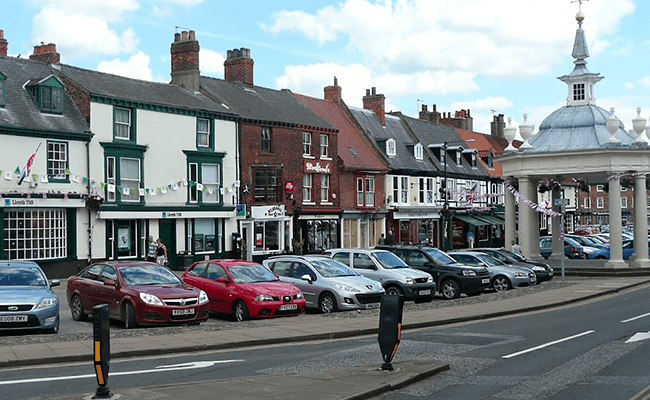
(488, 56)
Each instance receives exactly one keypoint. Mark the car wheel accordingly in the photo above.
(327, 303)
(239, 311)
(130, 321)
(77, 309)
(501, 283)
(394, 291)
(450, 289)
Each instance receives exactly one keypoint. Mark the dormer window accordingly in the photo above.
(474, 164)
(443, 156)
(418, 152)
(391, 149)
(3, 85)
(459, 159)
(578, 91)
(47, 93)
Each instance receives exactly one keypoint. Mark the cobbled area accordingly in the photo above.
(221, 323)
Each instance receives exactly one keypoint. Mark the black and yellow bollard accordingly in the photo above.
(101, 350)
(390, 328)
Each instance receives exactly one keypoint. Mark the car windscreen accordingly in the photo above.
(514, 256)
(136, 275)
(332, 268)
(21, 276)
(251, 273)
(389, 260)
(490, 261)
(440, 256)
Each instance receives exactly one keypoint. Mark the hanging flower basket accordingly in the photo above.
(582, 185)
(94, 202)
(627, 182)
(549, 186)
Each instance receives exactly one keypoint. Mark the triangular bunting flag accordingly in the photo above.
(102, 185)
(9, 175)
(17, 171)
(125, 191)
(163, 189)
(199, 187)
(35, 177)
(142, 192)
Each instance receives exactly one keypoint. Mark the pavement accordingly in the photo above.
(359, 382)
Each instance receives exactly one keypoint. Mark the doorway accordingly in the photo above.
(167, 232)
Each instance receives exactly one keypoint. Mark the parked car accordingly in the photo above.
(603, 254)
(502, 276)
(572, 249)
(137, 292)
(244, 289)
(26, 298)
(543, 272)
(452, 278)
(386, 268)
(327, 284)
(588, 246)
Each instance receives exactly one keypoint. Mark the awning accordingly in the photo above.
(471, 220)
(494, 220)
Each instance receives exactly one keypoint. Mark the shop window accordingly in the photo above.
(267, 181)
(204, 236)
(57, 161)
(267, 235)
(35, 234)
(125, 239)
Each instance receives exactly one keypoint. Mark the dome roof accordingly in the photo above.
(576, 128)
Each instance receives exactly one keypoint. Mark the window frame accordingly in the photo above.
(307, 187)
(195, 160)
(325, 188)
(265, 139)
(61, 178)
(3, 89)
(370, 191)
(324, 145)
(130, 125)
(306, 144)
(418, 152)
(600, 203)
(579, 91)
(114, 153)
(51, 226)
(54, 89)
(623, 202)
(391, 147)
(271, 192)
(208, 134)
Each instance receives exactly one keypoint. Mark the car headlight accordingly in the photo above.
(345, 287)
(520, 274)
(203, 297)
(538, 268)
(151, 299)
(48, 302)
(410, 281)
(430, 279)
(469, 272)
(264, 297)
(299, 295)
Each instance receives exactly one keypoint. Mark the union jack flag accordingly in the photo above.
(28, 167)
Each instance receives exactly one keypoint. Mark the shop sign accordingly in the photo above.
(317, 167)
(35, 202)
(289, 186)
(241, 211)
(172, 214)
(275, 211)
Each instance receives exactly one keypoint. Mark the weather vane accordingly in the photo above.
(580, 5)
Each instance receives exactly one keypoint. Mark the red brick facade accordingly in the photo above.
(47, 53)
(375, 102)
(4, 45)
(239, 67)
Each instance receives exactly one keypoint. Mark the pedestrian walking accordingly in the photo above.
(382, 239)
(516, 248)
(161, 253)
(389, 238)
(151, 252)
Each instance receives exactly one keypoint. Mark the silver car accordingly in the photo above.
(502, 276)
(326, 284)
(26, 298)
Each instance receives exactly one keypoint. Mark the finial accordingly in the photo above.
(579, 16)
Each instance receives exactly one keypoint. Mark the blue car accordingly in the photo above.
(26, 298)
(603, 254)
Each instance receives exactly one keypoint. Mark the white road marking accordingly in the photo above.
(547, 344)
(639, 336)
(638, 317)
(161, 368)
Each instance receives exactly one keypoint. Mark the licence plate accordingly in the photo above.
(424, 292)
(486, 280)
(188, 311)
(373, 305)
(13, 318)
(285, 307)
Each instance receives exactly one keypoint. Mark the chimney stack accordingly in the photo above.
(185, 60)
(497, 126)
(431, 116)
(3, 43)
(333, 92)
(375, 102)
(239, 66)
(47, 53)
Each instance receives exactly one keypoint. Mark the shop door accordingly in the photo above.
(167, 234)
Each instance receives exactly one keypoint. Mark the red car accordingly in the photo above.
(244, 289)
(137, 292)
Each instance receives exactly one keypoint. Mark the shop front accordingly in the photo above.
(417, 226)
(361, 229)
(318, 232)
(267, 232)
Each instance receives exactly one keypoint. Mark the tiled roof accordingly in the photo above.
(20, 111)
(353, 148)
(261, 104)
(119, 87)
(405, 161)
(433, 133)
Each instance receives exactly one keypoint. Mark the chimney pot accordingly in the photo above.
(424, 107)
(336, 82)
(374, 90)
(184, 35)
(367, 92)
(177, 37)
(192, 35)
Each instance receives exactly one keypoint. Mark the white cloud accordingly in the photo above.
(163, 11)
(645, 82)
(211, 62)
(478, 37)
(137, 67)
(79, 28)
(628, 85)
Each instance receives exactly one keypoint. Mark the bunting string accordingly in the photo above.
(530, 203)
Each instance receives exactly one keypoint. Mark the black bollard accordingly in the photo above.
(390, 328)
(101, 350)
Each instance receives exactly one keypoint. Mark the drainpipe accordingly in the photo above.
(88, 210)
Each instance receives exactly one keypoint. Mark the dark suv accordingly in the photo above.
(451, 277)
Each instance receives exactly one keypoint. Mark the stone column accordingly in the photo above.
(511, 219)
(558, 244)
(534, 222)
(640, 223)
(615, 226)
(526, 215)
